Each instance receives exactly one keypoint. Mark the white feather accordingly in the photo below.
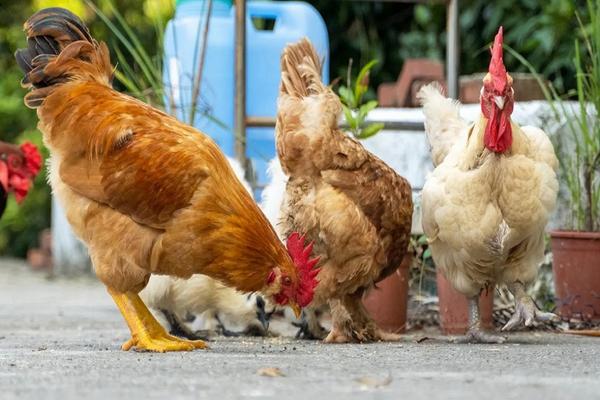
(443, 124)
(240, 173)
(201, 295)
(274, 193)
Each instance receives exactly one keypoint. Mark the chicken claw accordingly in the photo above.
(146, 333)
(162, 343)
(352, 324)
(526, 312)
(337, 336)
(309, 326)
(475, 334)
(367, 334)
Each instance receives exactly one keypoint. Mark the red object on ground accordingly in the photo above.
(454, 308)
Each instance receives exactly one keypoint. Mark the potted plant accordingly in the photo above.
(577, 252)
(576, 249)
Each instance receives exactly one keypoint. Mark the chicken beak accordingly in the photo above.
(296, 308)
(499, 100)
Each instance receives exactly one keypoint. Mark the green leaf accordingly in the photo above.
(370, 130)
(422, 240)
(366, 108)
(128, 77)
(346, 96)
(427, 254)
(350, 120)
(359, 88)
(422, 14)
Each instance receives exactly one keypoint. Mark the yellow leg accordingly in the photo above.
(146, 332)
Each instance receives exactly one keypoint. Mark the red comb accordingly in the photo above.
(305, 265)
(497, 69)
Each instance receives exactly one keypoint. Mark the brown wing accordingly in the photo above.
(147, 175)
(383, 196)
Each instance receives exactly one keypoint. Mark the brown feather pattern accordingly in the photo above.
(147, 193)
(354, 207)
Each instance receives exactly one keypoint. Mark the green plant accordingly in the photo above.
(21, 224)
(355, 110)
(540, 30)
(424, 278)
(137, 70)
(580, 157)
(141, 71)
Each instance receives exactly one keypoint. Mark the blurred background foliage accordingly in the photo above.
(20, 225)
(542, 31)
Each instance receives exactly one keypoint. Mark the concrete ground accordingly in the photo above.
(60, 339)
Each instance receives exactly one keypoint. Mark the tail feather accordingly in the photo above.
(59, 49)
(305, 108)
(301, 70)
(59, 24)
(442, 120)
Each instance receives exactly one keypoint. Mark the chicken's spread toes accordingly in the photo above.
(161, 344)
(526, 312)
(337, 336)
(383, 336)
(146, 333)
(309, 328)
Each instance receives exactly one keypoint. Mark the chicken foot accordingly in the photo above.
(351, 323)
(179, 329)
(309, 326)
(475, 334)
(526, 311)
(146, 332)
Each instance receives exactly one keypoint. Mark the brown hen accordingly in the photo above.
(354, 207)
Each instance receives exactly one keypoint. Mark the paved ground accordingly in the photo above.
(60, 339)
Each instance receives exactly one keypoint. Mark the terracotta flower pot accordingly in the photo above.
(454, 308)
(576, 266)
(388, 302)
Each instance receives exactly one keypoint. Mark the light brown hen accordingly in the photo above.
(354, 207)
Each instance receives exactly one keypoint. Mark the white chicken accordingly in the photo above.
(221, 309)
(486, 204)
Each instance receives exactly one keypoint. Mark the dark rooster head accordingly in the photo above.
(497, 101)
(18, 168)
(296, 287)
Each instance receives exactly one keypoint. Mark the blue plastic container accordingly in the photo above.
(270, 26)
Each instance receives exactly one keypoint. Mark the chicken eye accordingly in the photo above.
(287, 281)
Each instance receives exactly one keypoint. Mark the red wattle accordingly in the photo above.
(498, 132)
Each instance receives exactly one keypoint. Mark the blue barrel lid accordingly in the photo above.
(226, 2)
